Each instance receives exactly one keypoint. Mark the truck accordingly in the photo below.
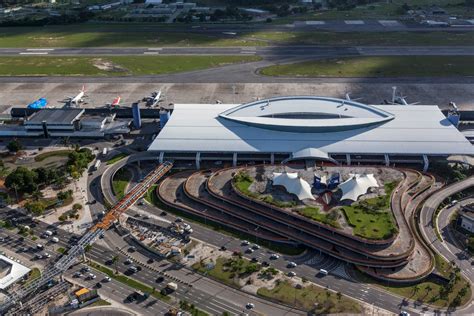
(169, 288)
(104, 151)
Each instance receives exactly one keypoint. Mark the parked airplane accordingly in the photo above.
(401, 100)
(115, 103)
(154, 99)
(79, 98)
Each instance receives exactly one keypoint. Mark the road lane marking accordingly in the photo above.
(34, 53)
(40, 49)
(354, 22)
(151, 53)
(155, 48)
(315, 22)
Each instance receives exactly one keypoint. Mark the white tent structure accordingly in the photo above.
(357, 185)
(293, 184)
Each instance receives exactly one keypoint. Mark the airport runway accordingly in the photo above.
(266, 52)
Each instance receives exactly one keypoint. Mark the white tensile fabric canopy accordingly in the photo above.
(357, 185)
(293, 184)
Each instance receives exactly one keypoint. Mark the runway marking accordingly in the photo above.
(354, 22)
(155, 48)
(34, 53)
(389, 22)
(151, 53)
(40, 49)
(315, 22)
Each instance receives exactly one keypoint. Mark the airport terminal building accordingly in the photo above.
(309, 127)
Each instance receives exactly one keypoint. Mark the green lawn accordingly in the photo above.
(57, 153)
(116, 158)
(307, 297)
(112, 65)
(100, 302)
(153, 35)
(372, 218)
(380, 66)
(150, 195)
(112, 35)
(34, 274)
(228, 271)
(243, 181)
(315, 214)
(120, 182)
(130, 282)
(61, 250)
(428, 291)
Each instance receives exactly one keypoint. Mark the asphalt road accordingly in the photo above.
(267, 51)
(427, 227)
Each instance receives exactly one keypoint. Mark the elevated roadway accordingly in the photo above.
(428, 227)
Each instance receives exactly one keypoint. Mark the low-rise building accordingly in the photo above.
(466, 216)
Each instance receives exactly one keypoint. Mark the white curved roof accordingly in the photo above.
(307, 114)
(357, 185)
(415, 130)
(293, 184)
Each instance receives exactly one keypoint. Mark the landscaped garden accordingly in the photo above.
(310, 298)
(372, 218)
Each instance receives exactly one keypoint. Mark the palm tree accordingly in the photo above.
(115, 260)
(416, 288)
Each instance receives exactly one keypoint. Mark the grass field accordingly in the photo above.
(428, 291)
(57, 153)
(34, 274)
(381, 66)
(150, 195)
(112, 65)
(153, 35)
(307, 297)
(120, 182)
(228, 271)
(372, 218)
(314, 213)
(116, 158)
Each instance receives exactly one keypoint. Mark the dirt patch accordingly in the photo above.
(107, 65)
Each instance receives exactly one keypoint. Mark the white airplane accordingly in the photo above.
(399, 99)
(79, 98)
(154, 99)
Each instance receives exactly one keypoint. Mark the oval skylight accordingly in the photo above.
(307, 114)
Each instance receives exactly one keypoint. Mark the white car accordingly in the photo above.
(274, 256)
(255, 246)
(291, 264)
(47, 255)
(107, 279)
(403, 313)
(245, 243)
(249, 305)
(291, 274)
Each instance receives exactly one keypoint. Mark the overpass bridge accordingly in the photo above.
(56, 269)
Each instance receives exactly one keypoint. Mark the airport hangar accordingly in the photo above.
(310, 128)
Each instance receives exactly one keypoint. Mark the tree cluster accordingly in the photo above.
(78, 162)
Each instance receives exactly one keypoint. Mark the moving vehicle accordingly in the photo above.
(97, 165)
(249, 305)
(274, 256)
(55, 239)
(169, 288)
(323, 272)
(291, 264)
(104, 151)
